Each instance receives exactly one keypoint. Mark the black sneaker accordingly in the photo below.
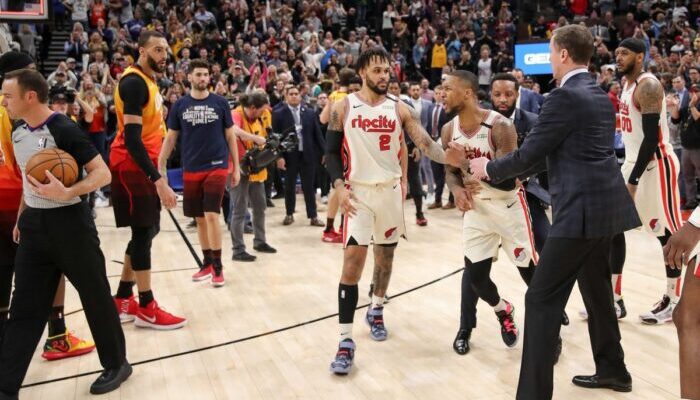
(245, 257)
(461, 343)
(265, 248)
(621, 306)
(565, 319)
(111, 379)
(509, 331)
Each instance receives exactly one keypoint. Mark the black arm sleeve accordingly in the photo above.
(650, 126)
(334, 164)
(135, 97)
(137, 151)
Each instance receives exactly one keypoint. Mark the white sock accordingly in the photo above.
(673, 288)
(501, 306)
(377, 301)
(345, 331)
(616, 280)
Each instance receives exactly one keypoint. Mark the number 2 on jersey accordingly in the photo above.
(384, 142)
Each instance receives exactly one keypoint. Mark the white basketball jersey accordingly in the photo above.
(631, 122)
(481, 143)
(372, 144)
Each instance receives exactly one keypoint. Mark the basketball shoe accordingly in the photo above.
(217, 277)
(662, 312)
(332, 236)
(375, 320)
(205, 272)
(126, 308)
(620, 310)
(343, 358)
(509, 331)
(66, 345)
(152, 316)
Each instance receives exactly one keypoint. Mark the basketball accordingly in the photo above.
(61, 164)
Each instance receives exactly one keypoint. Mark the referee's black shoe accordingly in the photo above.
(461, 343)
(111, 379)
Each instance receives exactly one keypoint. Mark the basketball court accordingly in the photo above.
(271, 331)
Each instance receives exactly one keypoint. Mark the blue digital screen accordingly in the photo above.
(533, 58)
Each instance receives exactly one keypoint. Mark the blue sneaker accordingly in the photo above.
(375, 320)
(343, 358)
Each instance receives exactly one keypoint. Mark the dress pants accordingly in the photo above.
(296, 165)
(53, 242)
(439, 175)
(562, 262)
(240, 196)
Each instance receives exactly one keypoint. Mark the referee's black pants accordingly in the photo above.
(564, 261)
(54, 242)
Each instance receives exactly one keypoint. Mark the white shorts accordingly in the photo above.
(379, 218)
(499, 222)
(657, 198)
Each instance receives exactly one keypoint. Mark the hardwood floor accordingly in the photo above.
(299, 284)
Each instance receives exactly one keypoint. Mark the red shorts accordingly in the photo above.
(134, 197)
(203, 191)
(9, 204)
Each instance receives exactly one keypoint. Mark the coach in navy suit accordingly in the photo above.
(590, 204)
(291, 114)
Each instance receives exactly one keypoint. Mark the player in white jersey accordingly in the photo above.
(496, 215)
(651, 167)
(364, 145)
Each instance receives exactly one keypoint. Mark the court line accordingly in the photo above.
(243, 339)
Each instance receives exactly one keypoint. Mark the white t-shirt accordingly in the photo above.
(80, 9)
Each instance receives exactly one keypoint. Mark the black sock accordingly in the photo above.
(145, 298)
(207, 257)
(57, 325)
(347, 302)
(124, 290)
(215, 254)
(329, 224)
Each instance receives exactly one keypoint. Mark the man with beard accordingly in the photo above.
(366, 128)
(497, 216)
(651, 171)
(208, 137)
(136, 184)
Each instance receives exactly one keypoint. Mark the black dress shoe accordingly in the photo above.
(269, 203)
(619, 384)
(245, 257)
(265, 248)
(111, 379)
(565, 319)
(557, 352)
(248, 228)
(461, 343)
(316, 222)
(288, 220)
(5, 396)
(279, 195)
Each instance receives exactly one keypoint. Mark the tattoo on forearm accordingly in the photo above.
(383, 262)
(649, 95)
(504, 136)
(413, 128)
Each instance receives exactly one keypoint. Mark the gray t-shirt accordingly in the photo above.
(58, 131)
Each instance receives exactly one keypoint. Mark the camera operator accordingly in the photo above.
(251, 189)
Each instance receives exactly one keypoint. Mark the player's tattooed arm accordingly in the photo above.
(412, 126)
(459, 181)
(504, 136)
(649, 95)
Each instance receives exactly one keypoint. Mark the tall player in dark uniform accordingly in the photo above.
(136, 183)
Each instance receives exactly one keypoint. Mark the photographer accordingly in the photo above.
(251, 189)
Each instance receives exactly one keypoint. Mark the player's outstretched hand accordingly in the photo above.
(345, 198)
(463, 199)
(680, 245)
(167, 196)
(477, 167)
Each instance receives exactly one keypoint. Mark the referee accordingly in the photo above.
(56, 235)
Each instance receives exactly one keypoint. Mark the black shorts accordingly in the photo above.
(134, 197)
(203, 191)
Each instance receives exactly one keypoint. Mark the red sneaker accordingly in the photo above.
(217, 279)
(154, 317)
(203, 273)
(421, 221)
(66, 345)
(332, 237)
(127, 308)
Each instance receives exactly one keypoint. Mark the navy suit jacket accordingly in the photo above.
(313, 143)
(575, 133)
(530, 101)
(524, 121)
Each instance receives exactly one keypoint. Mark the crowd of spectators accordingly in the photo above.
(267, 45)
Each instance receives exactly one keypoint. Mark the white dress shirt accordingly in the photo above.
(572, 73)
(297, 124)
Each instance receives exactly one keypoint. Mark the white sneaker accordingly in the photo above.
(662, 312)
(101, 202)
(324, 199)
(620, 310)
